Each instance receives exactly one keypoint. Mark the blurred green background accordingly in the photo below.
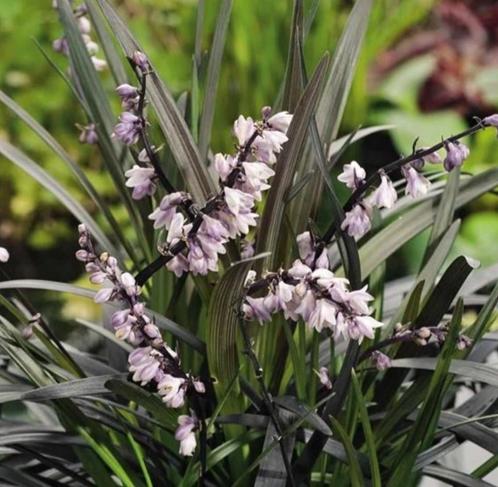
(427, 67)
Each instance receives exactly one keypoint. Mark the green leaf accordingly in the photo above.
(367, 431)
(91, 90)
(336, 90)
(75, 169)
(426, 277)
(473, 370)
(293, 81)
(173, 126)
(71, 388)
(445, 211)
(453, 477)
(273, 215)
(213, 74)
(387, 241)
(355, 474)
(175, 329)
(47, 181)
(222, 326)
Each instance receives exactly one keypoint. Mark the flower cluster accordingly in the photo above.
(132, 121)
(152, 361)
(310, 291)
(195, 244)
(357, 221)
(61, 45)
(423, 336)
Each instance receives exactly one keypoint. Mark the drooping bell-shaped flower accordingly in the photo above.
(385, 195)
(185, 434)
(456, 153)
(353, 175)
(416, 184)
(357, 221)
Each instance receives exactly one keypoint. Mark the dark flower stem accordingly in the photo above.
(267, 400)
(393, 166)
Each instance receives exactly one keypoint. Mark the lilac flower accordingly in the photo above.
(433, 157)
(385, 195)
(380, 360)
(128, 129)
(353, 175)
(274, 139)
(141, 61)
(299, 270)
(238, 201)
(163, 215)
(491, 120)
(464, 341)
(88, 134)
(323, 316)
(4, 255)
(99, 64)
(126, 91)
(103, 295)
(84, 25)
(456, 153)
(61, 46)
(358, 300)
(185, 434)
(224, 165)
(91, 46)
(246, 249)
(357, 221)
(129, 96)
(144, 364)
(172, 390)
(178, 264)
(243, 128)
(280, 121)
(141, 179)
(359, 327)
(306, 306)
(323, 375)
(255, 309)
(306, 248)
(256, 177)
(263, 150)
(416, 184)
(123, 324)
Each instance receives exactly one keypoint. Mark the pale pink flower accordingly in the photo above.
(164, 214)
(172, 390)
(185, 434)
(380, 360)
(224, 165)
(280, 121)
(385, 195)
(357, 221)
(144, 364)
(243, 128)
(323, 375)
(4, 255)
(141, 180)
(353, 175)
(323, 316)
(416, 184)
(456, 153)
